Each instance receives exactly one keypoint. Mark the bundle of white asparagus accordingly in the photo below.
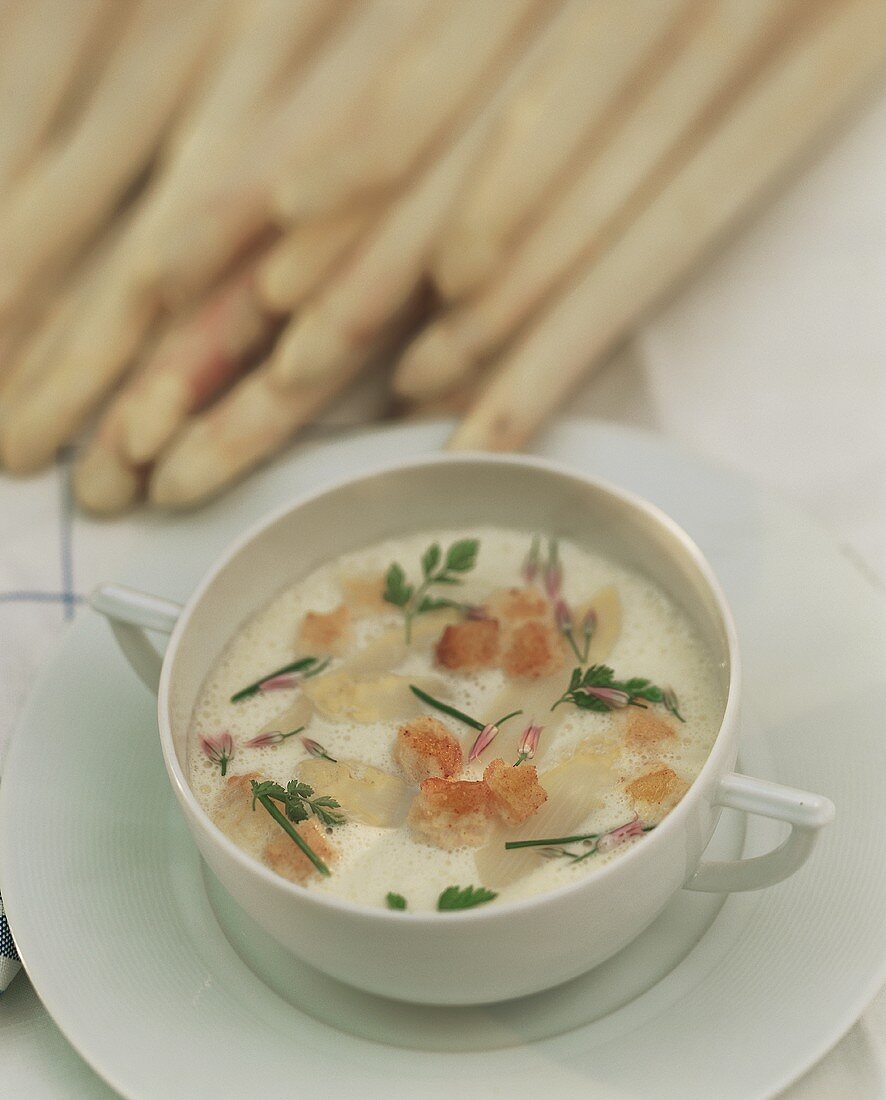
(216, 216)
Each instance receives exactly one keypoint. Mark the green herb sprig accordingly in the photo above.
(302, 669)
(597, 689)
(454, 897)
(454, 712)
(298, 802)
(395, 901)
(553, 847)
(413, 598)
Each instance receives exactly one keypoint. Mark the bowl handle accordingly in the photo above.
(806, 813)
(130, 614)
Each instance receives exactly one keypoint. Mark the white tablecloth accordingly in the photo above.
(772, 361)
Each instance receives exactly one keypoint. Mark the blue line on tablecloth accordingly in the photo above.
(29, 596)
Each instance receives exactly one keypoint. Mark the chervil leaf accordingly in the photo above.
(430, 559)
(326, 809)
(267, 793)
(395, 901)
(597, 689)
(268, 789)
(397, 591)
(462, 555)
(431, 604)
(598, 676)
(296, 811)
(454, 897)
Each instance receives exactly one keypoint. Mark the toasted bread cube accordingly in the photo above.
(516, 792)
(325, 633)
(469, 645)
(515, 605)
(232, 812)
(452, 813)
(285, 857)
(535, 650)
(426, 748)
(645, 729)
(661, 789)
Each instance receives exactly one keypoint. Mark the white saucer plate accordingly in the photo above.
(166, 990)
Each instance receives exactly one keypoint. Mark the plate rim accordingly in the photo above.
(866, 991)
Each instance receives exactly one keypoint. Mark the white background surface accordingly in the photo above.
(772, 361)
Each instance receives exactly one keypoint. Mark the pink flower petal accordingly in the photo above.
(616, 837)
(563, 616)
(280, 683)
(529, 741)
(484, 740)
(612, 697)
(272, 737)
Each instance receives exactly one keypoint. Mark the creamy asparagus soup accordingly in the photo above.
(453, 718)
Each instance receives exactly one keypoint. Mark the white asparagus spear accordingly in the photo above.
(385, 270)
(59, 203)
(267, 40)
(192, 362)
(249, 424)
(89, 357)
(67, 302)
(574, 96)
(232, 208)
(408, 106)
(39, 57)
(802, 91)
(295, 267)
(186, 366)
(718, 50)
(88, 361)
(104, 481)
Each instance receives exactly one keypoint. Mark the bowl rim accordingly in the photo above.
(481, 914)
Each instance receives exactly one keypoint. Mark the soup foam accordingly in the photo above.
(656, 641)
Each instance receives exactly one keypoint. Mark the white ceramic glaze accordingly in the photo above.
(468, 957)
(107, 899)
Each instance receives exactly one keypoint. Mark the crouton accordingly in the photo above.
(285, 857)
(645, 729)
(469, 645)
(451, 813)
(232, 812)
(535, 650)
(516, 792)
(515, 605)
(661, 788)
(425, 748)
(325, 633)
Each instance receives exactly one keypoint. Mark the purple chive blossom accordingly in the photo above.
(487, 735)
(621, 835)
(553, 572)
(612, 697)
(563, 616)
(589, 623)
(316, 749)
(271, 737)
(474, 612)
(218, 750)
(532, 561)
(281, 683)
(669, 698)
(528, 743)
